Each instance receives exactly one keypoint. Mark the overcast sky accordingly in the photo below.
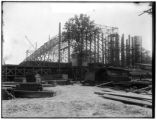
(39, 20)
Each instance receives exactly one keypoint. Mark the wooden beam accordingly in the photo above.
(94, 48)
(102, 48)
(59, 47)
(128, 100)
(98, 49)
(127, 95)
(103, 84)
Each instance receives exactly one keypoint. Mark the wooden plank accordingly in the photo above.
(128, 100)
(150, 86)
(127, 96)
(8, 85)
(103, 84)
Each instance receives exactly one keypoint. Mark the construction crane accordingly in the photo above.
(29, 42)
(29, 51)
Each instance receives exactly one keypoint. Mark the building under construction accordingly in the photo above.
(57, 55)
(104, 48)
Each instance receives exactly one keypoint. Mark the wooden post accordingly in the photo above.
(133, 54)
(90, 47)
(69, 47)
(102, 48)
(105, 50)
(86, 45)
(122, 51)
(129, 50)
(98, 49)
(59, 46)
(59, 42)
(94, 48)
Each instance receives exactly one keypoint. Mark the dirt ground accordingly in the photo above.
(72, 101)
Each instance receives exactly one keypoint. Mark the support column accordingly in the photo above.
(59, 42)
(59, 47)
(69, 48)
(102, 48)
(91, 37)
(94, 48)
(98, 49)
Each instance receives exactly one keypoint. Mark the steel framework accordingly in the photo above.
(103, 47)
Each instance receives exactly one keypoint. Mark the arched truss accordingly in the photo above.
(100, 47)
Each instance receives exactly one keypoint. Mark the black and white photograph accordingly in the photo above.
(78, 59)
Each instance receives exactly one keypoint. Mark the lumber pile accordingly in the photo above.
(145, 101)
(128, 100)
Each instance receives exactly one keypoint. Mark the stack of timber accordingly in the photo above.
(128, 98)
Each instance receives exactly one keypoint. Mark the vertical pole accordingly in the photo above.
(133, 52)
(98, 49)
(105, 50)
(111, 50)
(86, 46)
(141, 50)
(91, 37)
(102, 48)
(129, 58)
(94, 48)
(59, 46)
(122, 51)
(118, 49)
(69, 49)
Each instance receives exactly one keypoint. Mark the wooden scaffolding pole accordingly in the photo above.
(91, 37)
(69, 47)
(59, 47)
(98, 49)
(94, 48)
(102, 48)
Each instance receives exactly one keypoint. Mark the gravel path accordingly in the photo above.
(72, 101)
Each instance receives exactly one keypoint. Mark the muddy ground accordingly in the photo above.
(72, 101)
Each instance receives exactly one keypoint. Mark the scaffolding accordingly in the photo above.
(103, 47)
(57, 49)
